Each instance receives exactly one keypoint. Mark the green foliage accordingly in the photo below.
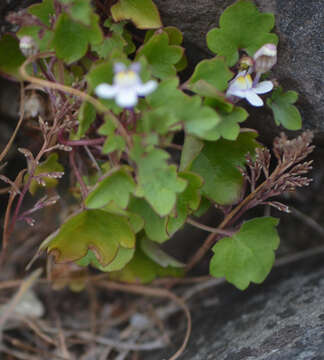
(151, 149)
(158, 182)
(187, 202)
(248, 255)
(144, 270)
(71, 38)
(79, 10)
(154, 225)
(143, 13)
(123, 257)
(99, 231)
(218, 165)
(214, 72)
(171, 107)
(116, 187)
(10, 56)
(87, 115)
(155, 253)
(43, 11)
(242, 27)
(285, 113)
(161, 55)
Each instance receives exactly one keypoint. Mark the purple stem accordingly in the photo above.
(84, 142)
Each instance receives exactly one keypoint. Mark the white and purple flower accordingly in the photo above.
(127, 86)
(242, 86)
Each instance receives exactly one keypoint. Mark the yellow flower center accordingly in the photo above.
(126, 78)
(244, 82)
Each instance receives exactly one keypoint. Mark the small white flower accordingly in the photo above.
(242, 87)
(127, 86)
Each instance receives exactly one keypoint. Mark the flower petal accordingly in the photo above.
(126, 98)
(147, 88)
(253, 98)
(106, 91)
(263, 87)
(136, 67)
(118, 67)
(234, 91)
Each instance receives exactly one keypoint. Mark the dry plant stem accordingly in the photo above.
(208, 228)
(26, 187)
(21, 118)
(51, 85)
(154, 292)
(6, 232)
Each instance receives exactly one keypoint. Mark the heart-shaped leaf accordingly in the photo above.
(247, 256)
(242, 26)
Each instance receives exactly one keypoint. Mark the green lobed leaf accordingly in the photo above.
(71, 38)
(141, 269)
(228, 128)
(172, 109)
(123, 257)
(154, 225)
(218, 165)
(117, 188)
(213, 97)
(248, 255)
(161, 55)
(213, 71)
(285, 113)
(10, 56)
(241, 27)
(79, 10)
(143, 13)
(155, 253)
(187, 202)
(114, 142)
(110, 44)
(97, 230)
(44, 11)
(158, 182)
(51, 164)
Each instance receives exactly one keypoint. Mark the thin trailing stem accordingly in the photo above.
(209, 228)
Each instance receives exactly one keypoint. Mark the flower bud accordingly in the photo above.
(265, 58)
(246, 62)
(28, 46)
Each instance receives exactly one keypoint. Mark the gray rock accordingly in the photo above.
(283, 319)
(299, 25)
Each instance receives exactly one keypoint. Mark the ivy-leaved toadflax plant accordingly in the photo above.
(119, 104)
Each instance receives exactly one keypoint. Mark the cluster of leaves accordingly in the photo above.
(130, 194)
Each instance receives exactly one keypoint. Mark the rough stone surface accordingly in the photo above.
(299, 25)
(283, 319)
